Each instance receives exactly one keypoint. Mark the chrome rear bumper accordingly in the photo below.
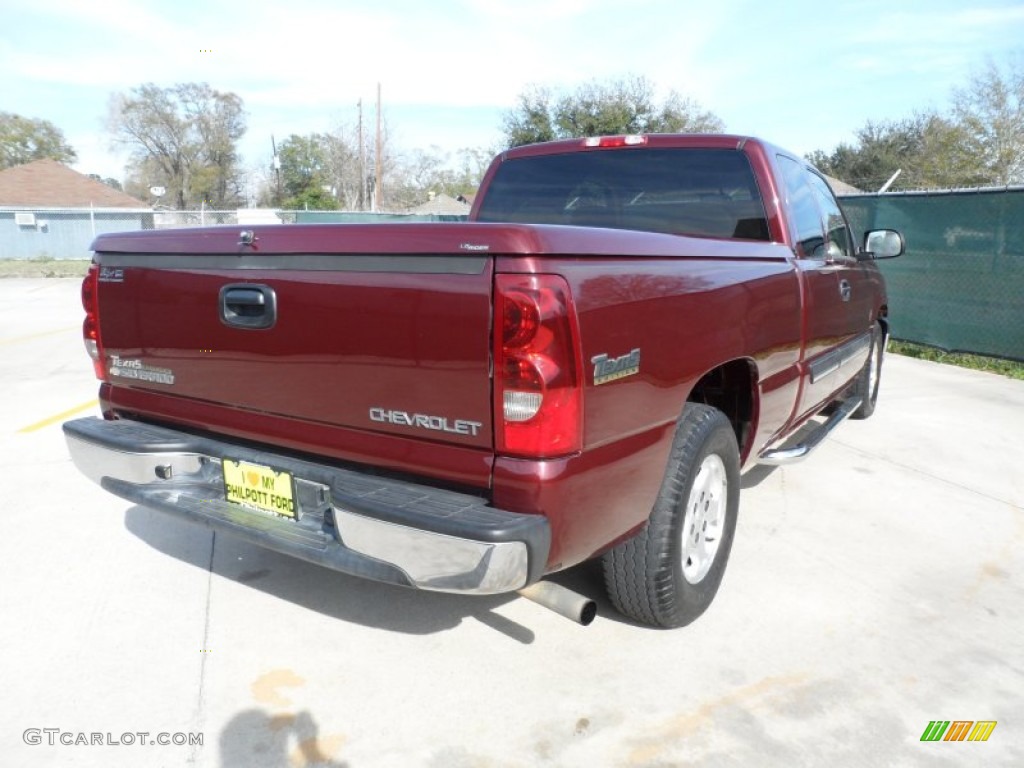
(348, 520)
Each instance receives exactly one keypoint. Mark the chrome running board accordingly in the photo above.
(800, 451)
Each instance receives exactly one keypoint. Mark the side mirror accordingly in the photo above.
(883, 244)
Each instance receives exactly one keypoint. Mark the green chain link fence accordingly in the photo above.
(960, 285)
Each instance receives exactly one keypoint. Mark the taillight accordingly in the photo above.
(538, 392)
(91, 325)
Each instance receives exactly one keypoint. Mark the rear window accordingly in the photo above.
(705, 192)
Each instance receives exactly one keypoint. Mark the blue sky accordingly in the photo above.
(804, 74)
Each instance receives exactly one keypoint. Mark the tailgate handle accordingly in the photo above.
(248, 305)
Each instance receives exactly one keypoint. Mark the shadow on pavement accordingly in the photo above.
(335, 594)
(755, 476)
(761, 472)
(255, 738)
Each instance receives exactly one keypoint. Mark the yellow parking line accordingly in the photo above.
(29, 337)
(59, 417)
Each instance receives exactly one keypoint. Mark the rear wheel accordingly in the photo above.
(668, 574)
(866, 386)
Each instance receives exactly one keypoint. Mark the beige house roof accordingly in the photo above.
(443, 205)
(841, 187)
(49, 184)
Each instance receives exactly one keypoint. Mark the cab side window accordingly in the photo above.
(810, 235)
(837, 233)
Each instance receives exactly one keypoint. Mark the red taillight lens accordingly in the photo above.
(91, 325)
(538, 397)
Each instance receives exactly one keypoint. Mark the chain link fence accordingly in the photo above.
(960, 285)
(66, 233)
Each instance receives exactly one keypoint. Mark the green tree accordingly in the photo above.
(24, 139)
(929, 150)
(533, 119)
(306, 172)
(110, 182)
(947, 158)
(183, 138)
(979, 142)
(312, 199)
(601, 109)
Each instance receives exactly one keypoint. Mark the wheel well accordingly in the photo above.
(730, 388)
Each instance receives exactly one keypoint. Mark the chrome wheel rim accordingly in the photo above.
(704, 519)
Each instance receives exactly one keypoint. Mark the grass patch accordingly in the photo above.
(43, 266)
(1010, 368)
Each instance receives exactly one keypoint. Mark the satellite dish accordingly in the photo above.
(157, 191)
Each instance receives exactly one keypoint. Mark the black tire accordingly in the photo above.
(866, 385)
(656, 578)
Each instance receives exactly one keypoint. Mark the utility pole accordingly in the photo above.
(277, 168)
(378, 187)
(885, 187)
(361, 205)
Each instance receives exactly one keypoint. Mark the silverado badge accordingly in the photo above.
(136, 369)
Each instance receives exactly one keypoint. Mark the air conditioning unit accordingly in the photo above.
(25, 219)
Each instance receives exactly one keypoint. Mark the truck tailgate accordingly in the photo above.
(387, 343)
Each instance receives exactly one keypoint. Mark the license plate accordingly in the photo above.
(254, 485)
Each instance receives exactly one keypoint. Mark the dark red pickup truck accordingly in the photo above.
(581, 370)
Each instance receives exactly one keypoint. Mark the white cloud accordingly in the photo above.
(123, 17)
(955, 28)
(535, 11)
(95, 156)
(303, 65)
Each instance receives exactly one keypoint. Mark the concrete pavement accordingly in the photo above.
(872, 589)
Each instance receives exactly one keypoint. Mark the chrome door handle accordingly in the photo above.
(845, 290)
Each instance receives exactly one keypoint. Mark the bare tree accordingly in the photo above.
(183, 138)
(423, 172)
(991, 110)
(324, 171)
(349, 174)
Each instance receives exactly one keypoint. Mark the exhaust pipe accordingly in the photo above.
(561, 600)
